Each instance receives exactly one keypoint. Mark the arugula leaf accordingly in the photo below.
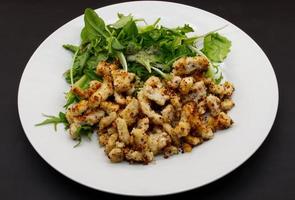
(140, 71)
(71, 48)
(94, 24)
(84, 130)
(123, 20)
(91, 75)
(122, 60)
(130, 30)
(143, 58)
(61, 118)
(216, 47)
(185, 29)
(116, 44)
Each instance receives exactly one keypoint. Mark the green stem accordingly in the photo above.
(204, 35)
(71, 70)
(122, 60)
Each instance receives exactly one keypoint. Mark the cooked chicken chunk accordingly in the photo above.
(174, 82)
(228, 88)
(84, 94)
(94, 117)
(123, 130)
(223, 121)
(101, 94)
(186, 85)
(158, 140)
(107, 121)
(122, 80)
(147, 110)
(227, 104)
(109, 107)
(213, 104)
(116, 155)
(168, 113)
(188, 65)
(154, 90)
(130, 112)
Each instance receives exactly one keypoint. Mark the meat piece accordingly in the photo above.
(168, 113)
(130, 112)
(171, 132)
(154, 90)
(187, 148)
(228, 88)
(116, 155)
(123, 130)
(109, 106)
(223, 121)
(174, 82)
(111, 142)
(122, 80)
(169, 151)
(198, 92)
(201, 107)
(186, 85)
(94, 117)
(192, 140)
(139, 133)
(182, 129)
(101, 94)
(119, 98)
(203, 129)
(146, 109)
(158, 140)
(227, 104)
(86, 93)
(107, 121)
(213, 103)
(76, 110)
(137, 156)
(216, 89)
(104, 68)
(103, 139)
(188, 65)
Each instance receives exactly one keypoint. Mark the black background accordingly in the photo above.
(268, 174)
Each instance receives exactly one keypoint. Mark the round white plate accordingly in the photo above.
(42, 90)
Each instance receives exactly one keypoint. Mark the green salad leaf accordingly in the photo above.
(61, 118)
(216, 47)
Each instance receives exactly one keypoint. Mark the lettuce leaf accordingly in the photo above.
(216, 47)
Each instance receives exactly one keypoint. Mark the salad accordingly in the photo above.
(145, 89)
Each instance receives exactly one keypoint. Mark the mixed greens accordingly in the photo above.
(141, 48)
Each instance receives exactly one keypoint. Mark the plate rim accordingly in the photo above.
(276, 89)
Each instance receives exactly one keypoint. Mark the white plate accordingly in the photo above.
(42, 90)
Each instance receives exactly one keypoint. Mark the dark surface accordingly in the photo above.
(269, 174)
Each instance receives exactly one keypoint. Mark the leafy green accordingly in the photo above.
(84, 130)
(94, 24)
(61, 118)
(144, 58)
(123, 20)
(140, 71)
(216, 47)
(72, 48)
